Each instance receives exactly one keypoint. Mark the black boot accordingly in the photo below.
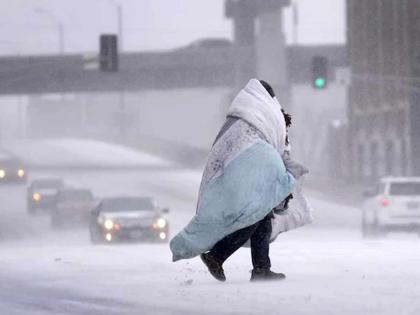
(261, 274)
(215, 268)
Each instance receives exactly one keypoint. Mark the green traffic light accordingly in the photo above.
(320, 83)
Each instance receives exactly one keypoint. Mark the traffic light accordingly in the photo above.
(108, 53)
(319, 67)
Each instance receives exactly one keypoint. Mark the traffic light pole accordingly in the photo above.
(120, 21)
(122, 112)
(120, 48)
(120, 27)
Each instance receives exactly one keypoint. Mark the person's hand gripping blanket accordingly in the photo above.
(245, 176)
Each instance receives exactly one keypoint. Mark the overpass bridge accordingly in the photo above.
(138, 71)
(155, 70)
(254, 52)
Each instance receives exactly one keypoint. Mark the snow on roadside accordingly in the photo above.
(68, 152)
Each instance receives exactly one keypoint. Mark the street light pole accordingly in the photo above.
(59, 25)
(61, 38)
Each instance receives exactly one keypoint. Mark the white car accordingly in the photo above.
(393, 205)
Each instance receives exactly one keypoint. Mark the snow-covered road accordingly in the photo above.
(330, 269)
(323, 278)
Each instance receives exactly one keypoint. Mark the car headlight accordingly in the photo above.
(108, 224)
(21, 172)
(2, 173)
(108, 237)
(160, 223)
(36, 196)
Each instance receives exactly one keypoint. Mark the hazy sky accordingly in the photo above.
(148, 24)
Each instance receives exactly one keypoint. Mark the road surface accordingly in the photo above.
(330, 269)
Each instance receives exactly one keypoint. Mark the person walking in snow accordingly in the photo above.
(244, 179)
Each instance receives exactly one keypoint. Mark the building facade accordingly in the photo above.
(384, 99)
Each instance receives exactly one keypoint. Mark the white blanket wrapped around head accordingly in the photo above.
(256, 106)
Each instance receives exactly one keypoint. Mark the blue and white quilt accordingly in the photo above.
(245, 177)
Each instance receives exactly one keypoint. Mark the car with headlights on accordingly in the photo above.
(42, 194)
(128, 219)
(12, 169)
(392, 205)
(73, 207)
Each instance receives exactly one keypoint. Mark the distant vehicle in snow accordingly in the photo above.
(128, 219)
(11, 169)
(392, 205)
(73, 207)
(42, 194)
(208, 44)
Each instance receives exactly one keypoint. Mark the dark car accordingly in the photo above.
(128, 219)
(42, 194)
(207, 44)
(11, 169)
(73, 207)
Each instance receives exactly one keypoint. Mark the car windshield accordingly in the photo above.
(127, 204)
(75, 195)
(10, 163)
(405, 189)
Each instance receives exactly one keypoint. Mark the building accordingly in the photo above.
(384, 98)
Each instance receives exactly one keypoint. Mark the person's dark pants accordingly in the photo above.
(259, 235)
